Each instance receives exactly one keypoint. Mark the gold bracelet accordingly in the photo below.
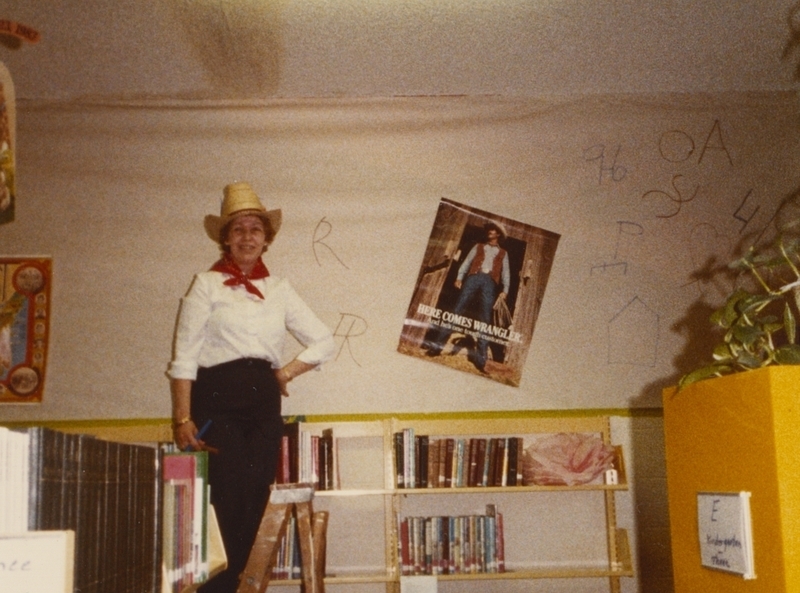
(181, 422)
(287, 375)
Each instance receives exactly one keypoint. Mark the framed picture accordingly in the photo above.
(24, 327)
(7, 146)
(478, 292)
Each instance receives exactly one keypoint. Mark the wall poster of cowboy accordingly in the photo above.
(24, 327)
(478, 292)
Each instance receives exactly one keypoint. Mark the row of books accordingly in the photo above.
(185, 517)
(288, 563)
(466, 544)
(422, 461)
(307, 458)
(107, 493)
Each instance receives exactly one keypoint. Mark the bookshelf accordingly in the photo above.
(550, 532)
(557, 538)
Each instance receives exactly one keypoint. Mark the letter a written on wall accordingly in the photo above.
(24, 327)
(478, 292)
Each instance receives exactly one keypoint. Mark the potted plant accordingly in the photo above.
(759, 318)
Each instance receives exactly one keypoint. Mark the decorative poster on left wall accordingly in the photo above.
(7, 146)
(24, 327)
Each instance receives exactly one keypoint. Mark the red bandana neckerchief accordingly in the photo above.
(227, 266)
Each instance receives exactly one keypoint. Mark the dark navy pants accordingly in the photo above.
(243, 402)
(478, 287)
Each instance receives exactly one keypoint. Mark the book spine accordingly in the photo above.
(513, 460)
(504, 468)
(35, 461)
(399, 463)
(422, 463)
(480, 463)
(461, 463)
(472, 476)
(450, 446)
(284, 472)
(405, 549)
(433, 463)
(500, 545)
(442, 464)
(428, 546)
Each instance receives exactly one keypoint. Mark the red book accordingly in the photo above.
(285, 473)
(499, 545)
(179, 467)
(405, 556)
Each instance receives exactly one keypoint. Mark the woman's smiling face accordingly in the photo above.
(246, 238)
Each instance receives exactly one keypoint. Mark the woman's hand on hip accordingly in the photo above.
(283, 377)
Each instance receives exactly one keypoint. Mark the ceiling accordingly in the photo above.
(233, 50)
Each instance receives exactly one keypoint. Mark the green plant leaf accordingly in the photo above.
(726, 315)
(790, 324)
(703, 373)
(749, 361)
(722, 353)
(747, 334)
(789, 354)
(752, 302)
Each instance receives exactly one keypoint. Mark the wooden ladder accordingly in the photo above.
(311, 529)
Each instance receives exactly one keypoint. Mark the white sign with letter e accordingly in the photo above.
(37, 562)
(725, 529)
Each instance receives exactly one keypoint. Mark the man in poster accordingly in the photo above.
(477, 314)
(483, 273)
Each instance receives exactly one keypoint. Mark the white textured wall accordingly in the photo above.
(116, 195)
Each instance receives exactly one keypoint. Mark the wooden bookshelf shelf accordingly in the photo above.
(508, 489)
(366, 471)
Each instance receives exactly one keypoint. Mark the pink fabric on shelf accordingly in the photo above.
(566, 459)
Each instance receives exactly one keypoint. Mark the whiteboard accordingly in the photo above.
(725, 530)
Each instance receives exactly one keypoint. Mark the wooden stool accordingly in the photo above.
(284, 498)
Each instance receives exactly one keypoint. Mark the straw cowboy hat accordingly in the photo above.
(240, 199)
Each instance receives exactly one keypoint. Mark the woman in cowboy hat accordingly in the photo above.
(227, 368)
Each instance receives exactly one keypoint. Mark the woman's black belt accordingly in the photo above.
(239, 363)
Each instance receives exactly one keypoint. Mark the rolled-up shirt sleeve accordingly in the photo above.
(190, 331)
